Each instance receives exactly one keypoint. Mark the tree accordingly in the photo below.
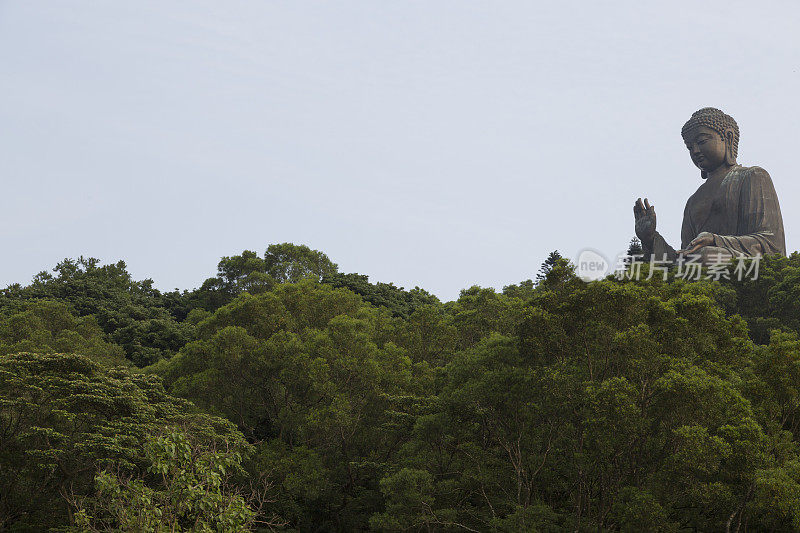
(131, 313)
(769, 300)
(557, 273)
(635, 248)
(548, 264)
(308, 373)
(47, 326)
(186, 487)
(399, 301)
(63, 417)
(612, 406)
(289, 263)
(523, 290)
(479, 312)
(245, 272)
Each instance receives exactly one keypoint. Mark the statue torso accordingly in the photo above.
(741, 203)
(714, 206)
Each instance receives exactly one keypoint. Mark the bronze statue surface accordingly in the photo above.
(735, 212)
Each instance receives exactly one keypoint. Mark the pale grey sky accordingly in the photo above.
(432, 143)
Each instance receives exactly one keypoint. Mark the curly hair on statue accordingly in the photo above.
(713, 118)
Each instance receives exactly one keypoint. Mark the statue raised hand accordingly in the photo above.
(644, 215)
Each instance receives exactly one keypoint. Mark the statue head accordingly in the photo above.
(712, 138)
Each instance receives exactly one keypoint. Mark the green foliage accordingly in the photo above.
(772, 300)
(479, 312)
(46, 326)
(635, 247)
(309, 373)
(554, 405)
(409, 495)
(290, 263)
(553, 259)
(430, 335)
(525, 289)
(400, 302)
(236, 274)
(185, 488)
(64, 416)
(133, 314)
(249, 273)
(612, 407)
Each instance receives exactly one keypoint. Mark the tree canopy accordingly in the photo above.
(285, 395)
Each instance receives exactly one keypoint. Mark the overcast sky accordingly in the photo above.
(433, 143)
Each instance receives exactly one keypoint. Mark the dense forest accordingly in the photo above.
(285, 395)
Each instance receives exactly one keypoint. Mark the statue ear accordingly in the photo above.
(730, 158)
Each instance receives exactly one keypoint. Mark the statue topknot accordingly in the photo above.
(713, 118)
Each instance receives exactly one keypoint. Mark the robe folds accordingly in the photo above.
(740, 210)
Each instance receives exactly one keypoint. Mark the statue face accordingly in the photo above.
(706, 148)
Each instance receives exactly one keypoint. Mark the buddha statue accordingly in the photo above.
(734, 212)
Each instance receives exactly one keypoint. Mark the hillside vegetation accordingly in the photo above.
(285, 395)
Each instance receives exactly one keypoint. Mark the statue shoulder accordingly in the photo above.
(754, 173)
(755, 178)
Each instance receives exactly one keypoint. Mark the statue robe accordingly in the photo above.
(740, 209)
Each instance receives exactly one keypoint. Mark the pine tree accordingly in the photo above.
(635, 247)
(548, 265)
(634, 250)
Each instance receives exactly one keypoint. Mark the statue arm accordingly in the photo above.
(760, 224)
(659, 249)
(688, 231)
